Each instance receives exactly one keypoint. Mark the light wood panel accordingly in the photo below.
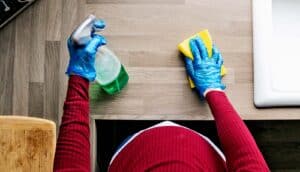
(26, 144)
(144, 34)
(54, 18)
(136, 1)
(7, 57)
(23, 37)
(36, 99)
(52, 64)
(38, 36)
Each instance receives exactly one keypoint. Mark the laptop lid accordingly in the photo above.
(11, 8)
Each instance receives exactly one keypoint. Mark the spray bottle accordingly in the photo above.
(110, 73)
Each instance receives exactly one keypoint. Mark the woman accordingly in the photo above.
(166, 146)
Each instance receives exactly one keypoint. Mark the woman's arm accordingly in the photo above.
(240, 148)
(73, 144)
(241, 151)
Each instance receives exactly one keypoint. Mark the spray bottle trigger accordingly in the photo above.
(82, 34)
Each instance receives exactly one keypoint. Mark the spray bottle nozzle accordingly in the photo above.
(82, 34)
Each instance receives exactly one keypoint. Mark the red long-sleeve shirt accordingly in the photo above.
(160, 149)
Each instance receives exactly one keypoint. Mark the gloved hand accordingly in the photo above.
(82, 57)
(203, 70)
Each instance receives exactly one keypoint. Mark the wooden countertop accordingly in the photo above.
(144, 34)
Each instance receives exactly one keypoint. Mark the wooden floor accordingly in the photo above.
(144, 34)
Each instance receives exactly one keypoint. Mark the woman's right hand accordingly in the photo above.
(82, 57)
(204, 71)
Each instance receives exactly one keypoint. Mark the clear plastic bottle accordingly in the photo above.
(110, 73)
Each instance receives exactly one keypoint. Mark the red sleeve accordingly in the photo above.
(73, 146)
(241, 151)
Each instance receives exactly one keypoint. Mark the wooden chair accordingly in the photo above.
(27, 144)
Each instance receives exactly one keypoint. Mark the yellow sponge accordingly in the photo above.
(184, 48)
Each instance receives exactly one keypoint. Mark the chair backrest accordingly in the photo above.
(26, 144)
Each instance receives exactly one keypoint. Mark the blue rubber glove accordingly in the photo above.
(203, 70)
(82, 57)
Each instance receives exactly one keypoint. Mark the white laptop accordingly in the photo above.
(276, 47)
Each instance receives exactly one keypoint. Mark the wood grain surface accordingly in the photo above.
(144, 34)
(26, 144)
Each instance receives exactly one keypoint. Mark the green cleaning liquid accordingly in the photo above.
(111, 74)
